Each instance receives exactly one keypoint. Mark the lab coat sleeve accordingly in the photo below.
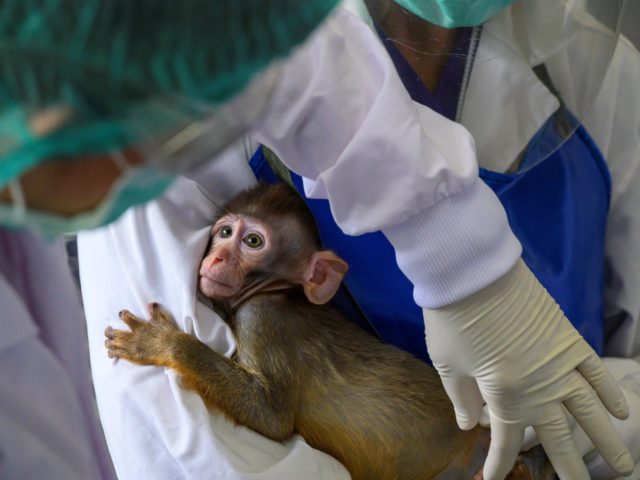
(48, 423)
(341, 118)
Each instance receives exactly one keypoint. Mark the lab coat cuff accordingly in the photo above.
(456, 247)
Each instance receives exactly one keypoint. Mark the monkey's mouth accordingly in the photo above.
(215, 288)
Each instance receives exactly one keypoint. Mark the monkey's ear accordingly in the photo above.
(323, 276)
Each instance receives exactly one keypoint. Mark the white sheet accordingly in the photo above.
(154, 428)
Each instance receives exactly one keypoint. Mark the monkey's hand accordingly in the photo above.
(148, 342)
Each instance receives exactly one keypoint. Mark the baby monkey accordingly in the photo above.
(301, 367)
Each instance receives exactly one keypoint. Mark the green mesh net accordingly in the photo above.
(117, 65)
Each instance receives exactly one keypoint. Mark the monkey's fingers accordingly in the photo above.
(130, 319)
(127, 345)
(160, 316)
(118, 353)
(117, 338)
(113, 347)
(109, 332)
(115, 353)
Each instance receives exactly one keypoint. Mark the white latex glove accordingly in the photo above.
(627, 372)
(511, 345)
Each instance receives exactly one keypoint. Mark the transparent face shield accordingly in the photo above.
(536, 64)
(172, 132)
(198, 131)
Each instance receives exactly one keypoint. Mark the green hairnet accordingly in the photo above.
(114, 62)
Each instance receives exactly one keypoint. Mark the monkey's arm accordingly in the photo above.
(246, 397)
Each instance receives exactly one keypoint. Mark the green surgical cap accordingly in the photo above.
(113, 62)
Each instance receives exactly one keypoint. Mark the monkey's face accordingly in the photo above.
(247, 256)
(240, 245)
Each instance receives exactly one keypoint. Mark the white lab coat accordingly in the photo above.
(48, 419)
(614, 123)
(157, 430)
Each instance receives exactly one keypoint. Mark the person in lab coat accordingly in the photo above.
(503, 87)
(546, 169)
(77, 117)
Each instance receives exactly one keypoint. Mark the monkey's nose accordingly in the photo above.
(213, 260)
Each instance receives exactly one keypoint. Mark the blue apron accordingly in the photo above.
(557, 208)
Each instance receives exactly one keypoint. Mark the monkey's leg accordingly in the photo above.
(247, 398)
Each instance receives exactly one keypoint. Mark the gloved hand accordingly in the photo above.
(629, 429)
(511, 345)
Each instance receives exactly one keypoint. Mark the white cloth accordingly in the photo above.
(48, 419)
(156, 429)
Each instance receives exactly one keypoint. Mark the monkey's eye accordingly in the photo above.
(226, 231)
(253, 240)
